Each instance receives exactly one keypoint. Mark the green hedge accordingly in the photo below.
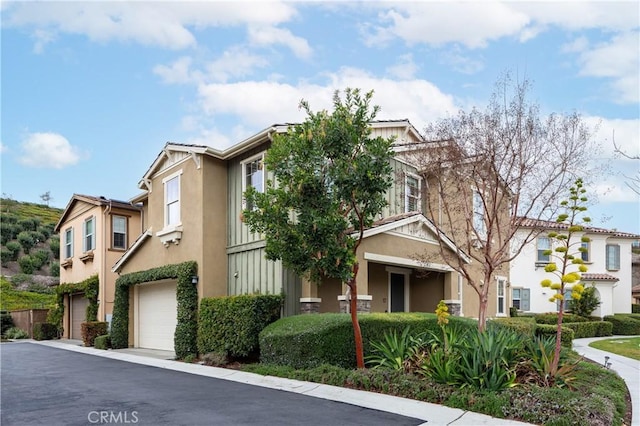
(231, 325)
(590, 328)
(524, 325)
(307, 341)
(91, 330)
(552, 318)
(547, 330)
(102, 342)
(186, 335)
(90, 287)
(625, 324)
(635, 308)
(45, 331)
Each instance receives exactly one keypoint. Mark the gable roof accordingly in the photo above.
(525, 222)
(131, 250)
(96, 201)
(393, 222)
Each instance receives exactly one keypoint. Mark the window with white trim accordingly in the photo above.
(613, 257)
(88, 234)
(253, 175)
(479, 224)
(119, 232)
(502, 284)
(172, 199)
(543, 244)
(585, 251)
(520, 298)
(411, 193)
(68, 243)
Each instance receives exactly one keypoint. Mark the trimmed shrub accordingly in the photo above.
(103, 342)
(6, 321)
(26, 241)
(91, 330)
(635, 308)
(513, 312)
(42, 257)
(590, 329)
(307, 341)
(16, 333)
(26, 264)
(550, 330)
(14, 248)
(231, 325)
(5, 256)
(28, 224)
(552, 318)
(624, 324)
(524, 325)
(54, 246)
(45, 331)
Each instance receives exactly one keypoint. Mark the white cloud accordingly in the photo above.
(48, 150)
(235, 62)
(269, 35)
(404, 69)
(624, 132)
(3, 148)
(165, 24)
(179, 72)
(460, 62)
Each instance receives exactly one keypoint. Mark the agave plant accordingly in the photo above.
(395, 352)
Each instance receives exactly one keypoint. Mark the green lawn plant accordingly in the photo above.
(566, 263)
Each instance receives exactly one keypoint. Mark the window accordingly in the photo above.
(478, 215)
(520, 298)
(613, 257)
(411, 194)
(543, 245)
(501, 290)
(89, 235)
(584, 251)
(119, 232)
(172, 199)
(253, 175)
(68, 243)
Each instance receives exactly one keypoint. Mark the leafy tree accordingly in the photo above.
(46, 198)
(486, 169)
(566, 263)
(586, 304)
(14, 248)
(331, 179)
(26, 264)
(25, 238)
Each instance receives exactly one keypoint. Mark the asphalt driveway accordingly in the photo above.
(48, 386)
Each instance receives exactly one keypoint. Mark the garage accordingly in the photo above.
(78, 314)
(156, 315)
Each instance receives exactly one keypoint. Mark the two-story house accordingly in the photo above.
(94, 233)
(607, 257)
(192, 199)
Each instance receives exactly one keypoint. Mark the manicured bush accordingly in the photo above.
(552, 318)
(590, 328)
(103, 342)
(28, 224)
(550, 330)
(6, 322)
(306, 341)
(16, 333)
(635, 308)
(524, 325)
(5, 256)
(42, 256)
(624, 324)
(8, 232)
(26, 241)
(231, 325)
(45, 331)
(26, 264)
(91, 330)
(14, 247)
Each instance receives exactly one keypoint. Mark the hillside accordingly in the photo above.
(29, 248)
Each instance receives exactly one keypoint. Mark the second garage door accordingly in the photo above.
(157, 315)
(79, 305)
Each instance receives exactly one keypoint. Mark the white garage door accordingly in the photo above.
(79, 305)
(157, 315)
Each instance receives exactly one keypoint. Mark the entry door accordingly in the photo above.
(396, 281)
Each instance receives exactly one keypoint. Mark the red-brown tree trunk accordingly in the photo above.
(353, 304)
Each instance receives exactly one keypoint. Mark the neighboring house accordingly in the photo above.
(192, 202)
(608, 259)
(94, 233)
(635, 275)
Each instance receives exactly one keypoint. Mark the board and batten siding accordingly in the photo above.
(395, 194)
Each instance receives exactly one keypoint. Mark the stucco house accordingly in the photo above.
(94, 233)
(191, 204)
(607, 256)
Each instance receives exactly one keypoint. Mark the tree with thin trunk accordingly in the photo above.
(330, 181)
(46, 198)
(486, 170)
(565, 255)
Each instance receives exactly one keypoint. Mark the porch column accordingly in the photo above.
(309, 302)
(451, 296)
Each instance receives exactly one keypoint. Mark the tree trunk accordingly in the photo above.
(353, 304)
(482, 314)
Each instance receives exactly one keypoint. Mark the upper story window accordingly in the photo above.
(172, 199)
(478, 215)
(68, 243)
(119, 232)
(543, 245)
(613, 257)
(411, 193)
(253, 175)
(88, 234)
(585, 251)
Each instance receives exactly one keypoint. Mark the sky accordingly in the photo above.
(91, 91)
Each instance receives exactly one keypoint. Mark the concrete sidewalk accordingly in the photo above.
(627, 368)
(431, 414)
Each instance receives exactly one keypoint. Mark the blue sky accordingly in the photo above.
(95, 89)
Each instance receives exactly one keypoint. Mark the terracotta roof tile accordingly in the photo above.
(598, 277)
(526, 222)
